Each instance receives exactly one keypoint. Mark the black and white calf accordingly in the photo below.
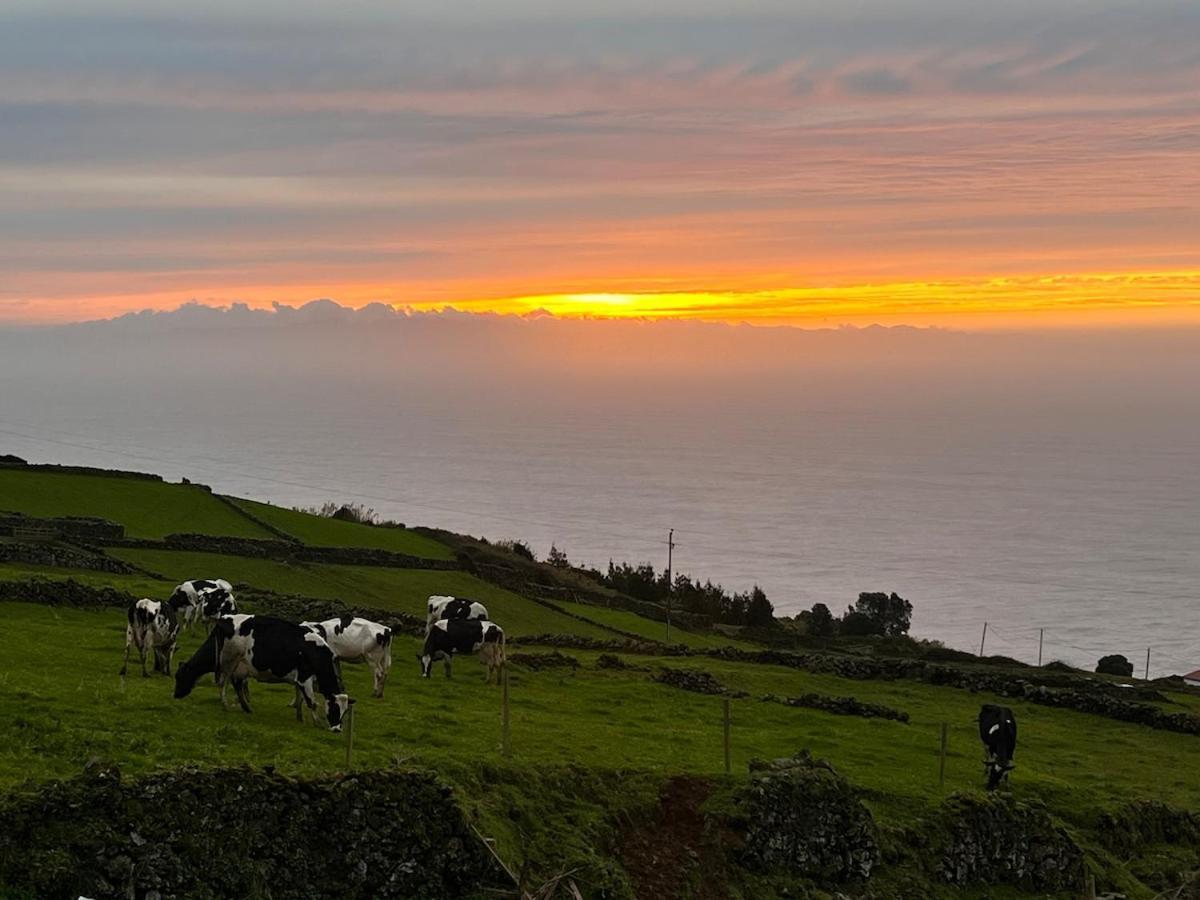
(450, 636)
(242, 647)
(998, 731)
(442, 607)
(358, 641)
(202, 598)
(152, 626)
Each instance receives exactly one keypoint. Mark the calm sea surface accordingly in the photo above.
(1078, 518)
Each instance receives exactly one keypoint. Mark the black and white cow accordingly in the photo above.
(266, 649)
(450, 636)
(998, 731)
(443, 607)
(202, 598)
(152, 626)
(356, 640)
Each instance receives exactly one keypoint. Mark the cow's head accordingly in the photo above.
(336, 708)
(426, 661)
(997, 772)
(185, 679)
(219, 603)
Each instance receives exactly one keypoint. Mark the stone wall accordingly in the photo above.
(61, 556)
(64, 592)
(241, 833)
(996, 839)
(85, 528)
(802, 818)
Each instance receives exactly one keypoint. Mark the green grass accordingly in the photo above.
(61, 714)
(147, 509)
(319, 531)
(648, 628)
(405, 590)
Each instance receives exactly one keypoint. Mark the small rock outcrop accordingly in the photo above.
(999, 840)
(802, 818)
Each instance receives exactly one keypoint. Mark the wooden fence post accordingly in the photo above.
(942, 764)
(505, 734)
(728, 760)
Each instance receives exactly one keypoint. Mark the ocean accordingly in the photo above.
(1063, 510)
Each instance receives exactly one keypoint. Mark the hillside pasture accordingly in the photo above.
(147, 509)
(321, 531)
(402, 590)
(65, 707)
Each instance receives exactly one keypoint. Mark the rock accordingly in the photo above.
(804, 819)
(996, 839)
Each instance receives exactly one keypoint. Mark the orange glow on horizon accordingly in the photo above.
(1144, 298)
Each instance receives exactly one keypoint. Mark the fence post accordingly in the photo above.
(942, 763)
(349, 735)
(728, 761)
(505, 736)
(1089, 887)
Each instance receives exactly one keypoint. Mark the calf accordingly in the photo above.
(152, 626)
(356, 641)
(450, 636)
(242, 647)
(203, 599)
(998, 731)
(441, 607)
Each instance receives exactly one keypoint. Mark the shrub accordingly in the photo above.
(1115, 664)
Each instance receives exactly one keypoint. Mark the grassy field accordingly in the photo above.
(648, 628)
(62, 714)
(590, 740)
(405, 590)
(319, 531)
(147, 509)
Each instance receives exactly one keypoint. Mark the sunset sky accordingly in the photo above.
(916, 161)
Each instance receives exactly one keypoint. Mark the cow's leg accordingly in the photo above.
(243, 695)
(379, 665)
(128, 641)
(446, 663)
(142, 654)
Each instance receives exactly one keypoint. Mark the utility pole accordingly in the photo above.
(670, 582)
(1147, 663)
(983, 638)
(1041, 636)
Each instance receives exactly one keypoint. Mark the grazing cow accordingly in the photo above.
(358, 640)
(998, 731)
(152, 626)
(203, 599)
(441, 607)
(269, 650)
(450, 636)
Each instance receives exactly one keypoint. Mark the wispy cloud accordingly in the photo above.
(424, 154)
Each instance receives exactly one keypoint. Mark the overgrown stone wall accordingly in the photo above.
(64, 592)
(802, 818)
(61, 556)
(996, 839)
(241, 833)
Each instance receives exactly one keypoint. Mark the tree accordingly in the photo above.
(820, 621)
(891, 613)
(558, 558)
(858, 624)
(759, 610)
